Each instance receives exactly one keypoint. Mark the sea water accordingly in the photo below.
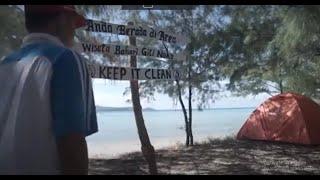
(118, 132)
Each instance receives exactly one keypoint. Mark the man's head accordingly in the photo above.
(58, 20)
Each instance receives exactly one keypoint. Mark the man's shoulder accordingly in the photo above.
(48, 50)
(53, 52)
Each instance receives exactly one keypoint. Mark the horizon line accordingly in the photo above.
(156, 109)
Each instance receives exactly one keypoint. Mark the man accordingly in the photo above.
(46, 100)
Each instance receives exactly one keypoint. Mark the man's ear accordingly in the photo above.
(60, 20)
(54, 25)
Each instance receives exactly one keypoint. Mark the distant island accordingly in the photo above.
(102, 108)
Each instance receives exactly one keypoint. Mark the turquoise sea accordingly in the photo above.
(118, 133)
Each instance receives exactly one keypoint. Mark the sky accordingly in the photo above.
(110, 94)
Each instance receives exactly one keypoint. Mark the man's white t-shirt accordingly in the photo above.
(45, 93)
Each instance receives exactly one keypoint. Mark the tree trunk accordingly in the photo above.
(146, 147)
(185, 114)
(190, 104)
(190, 116)
(280, 78)
(281, 86)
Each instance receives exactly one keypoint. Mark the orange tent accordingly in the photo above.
(287, 117)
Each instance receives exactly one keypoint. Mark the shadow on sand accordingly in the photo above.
(216, 156)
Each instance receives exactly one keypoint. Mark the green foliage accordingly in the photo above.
(12, 30)
(276, 49)
(249, 62)
(297, 40)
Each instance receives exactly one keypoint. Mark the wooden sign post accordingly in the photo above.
(126, 73)
(120, 50)
(146, 146)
